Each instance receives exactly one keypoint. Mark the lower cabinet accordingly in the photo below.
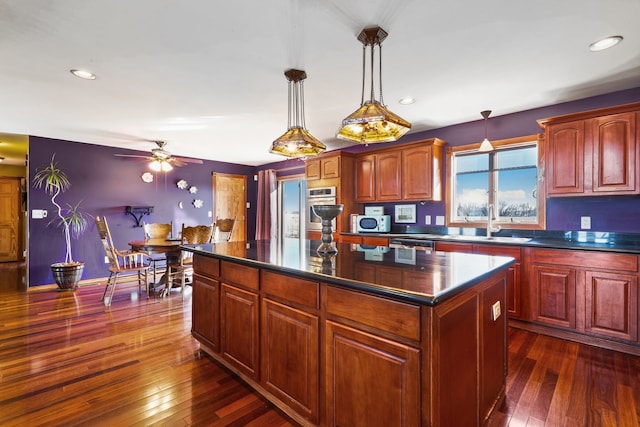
(593, 294)
(289, 356)
(356, 364)
(206, 296)
(239, 328)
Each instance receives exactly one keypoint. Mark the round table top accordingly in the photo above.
(155, 244)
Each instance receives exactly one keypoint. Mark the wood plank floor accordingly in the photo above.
(65, 359)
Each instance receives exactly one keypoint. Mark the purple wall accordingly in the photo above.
(615, 214)
(106, 184)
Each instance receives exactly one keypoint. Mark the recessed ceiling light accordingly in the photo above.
(407, 100)
(605, 43)
(83, 74)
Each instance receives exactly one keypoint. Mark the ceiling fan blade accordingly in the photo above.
(177, 162)
(188, 160)
(137, 156)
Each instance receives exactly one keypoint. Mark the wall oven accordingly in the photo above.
(319, 196)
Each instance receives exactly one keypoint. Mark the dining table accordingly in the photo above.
(169, 247)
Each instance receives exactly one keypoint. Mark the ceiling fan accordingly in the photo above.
(161, 159)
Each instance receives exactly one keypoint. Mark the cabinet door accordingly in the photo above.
(330, 167)
(312, 169)
(614, 143)
(514, 285)
(454, 247)
(611, 305)
(555, 295)
(239, 328)
(388, 176)
(206, 310)
(417, 174)
(290, 357)
(365, 178)
(356, 398)
(565, 158)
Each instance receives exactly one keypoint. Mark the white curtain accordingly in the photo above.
(267, 205)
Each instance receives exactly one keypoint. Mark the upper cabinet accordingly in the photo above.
(323, 168)
(409, 172)
(593, 153)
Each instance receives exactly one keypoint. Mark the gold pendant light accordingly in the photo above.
(372, 122)
(296, 141)
(486, 144)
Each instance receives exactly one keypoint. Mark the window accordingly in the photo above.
(506, 178)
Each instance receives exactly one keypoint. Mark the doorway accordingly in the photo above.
(230, 200)
(291, 211)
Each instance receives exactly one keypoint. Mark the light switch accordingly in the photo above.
(439, 220)
(427, 219)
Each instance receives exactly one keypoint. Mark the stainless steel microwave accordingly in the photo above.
(373, 223)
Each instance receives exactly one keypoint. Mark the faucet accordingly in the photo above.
(490, 218)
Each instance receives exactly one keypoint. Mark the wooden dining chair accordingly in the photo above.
(224, 229)
(121, 262)
(157, 230)
(183, 272)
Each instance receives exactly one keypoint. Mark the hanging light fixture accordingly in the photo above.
(372, 122)
(486, 144)
(296, 141)
(158, 165)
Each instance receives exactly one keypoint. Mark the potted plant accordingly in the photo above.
(74, 222)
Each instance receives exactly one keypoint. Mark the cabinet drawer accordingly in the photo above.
(240, 274)
(206, 266)
(296, 290)
(391, 316)
(588, 259)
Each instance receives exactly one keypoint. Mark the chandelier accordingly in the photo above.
(372, 122)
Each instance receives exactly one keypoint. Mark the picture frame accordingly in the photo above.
(405, 214)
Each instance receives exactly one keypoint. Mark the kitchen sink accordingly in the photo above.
(489, 239)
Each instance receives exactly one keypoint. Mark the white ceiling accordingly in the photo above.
(207, 75)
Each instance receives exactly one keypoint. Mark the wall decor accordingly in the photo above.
(405, 214)
(193, 189)
(147, 177)
(180, 205)
(198, 203)
(182, 184)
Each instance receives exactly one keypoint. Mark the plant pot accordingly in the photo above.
(67, 274)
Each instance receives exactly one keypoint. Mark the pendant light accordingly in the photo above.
(372, 122)
(296, 141)
(486, 145)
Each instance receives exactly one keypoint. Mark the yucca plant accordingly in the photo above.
(74, 222)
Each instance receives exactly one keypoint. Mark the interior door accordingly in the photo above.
(230, 200)
(10, 227)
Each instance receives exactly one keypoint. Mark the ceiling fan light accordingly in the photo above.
(296, 141)
(166, 166)
(372, 122)
(155, 166)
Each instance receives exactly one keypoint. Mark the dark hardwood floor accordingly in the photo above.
(66, 359)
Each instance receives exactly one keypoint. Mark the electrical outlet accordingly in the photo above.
(496, 311)
(106, 259)
(585, 222)
(439, 219)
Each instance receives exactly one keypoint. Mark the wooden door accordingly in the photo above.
(388, 180)
(417, 173)
(230, 200)
(10, 222)
(565, 158)
(614, 154)
(239, 329)
(365, 178)
(555, 295)
(205, 300)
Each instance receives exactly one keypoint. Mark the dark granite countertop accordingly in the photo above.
(423, 277)
(581, 240)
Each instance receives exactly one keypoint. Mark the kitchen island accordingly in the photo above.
(362, 338)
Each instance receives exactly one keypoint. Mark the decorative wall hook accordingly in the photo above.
(141, 210)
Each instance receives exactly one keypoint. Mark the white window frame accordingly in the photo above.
(512, 223)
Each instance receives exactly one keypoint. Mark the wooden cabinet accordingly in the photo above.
(205, 325)
(593, 153)
(290, 342)
(205, 322)
(592, 293)
(334, 169)
(239, 320)
(323, 168)
(365, 240)
(514, 273)
(365, 180)
(410, 172)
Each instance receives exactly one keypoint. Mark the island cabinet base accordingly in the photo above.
(332, 355)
